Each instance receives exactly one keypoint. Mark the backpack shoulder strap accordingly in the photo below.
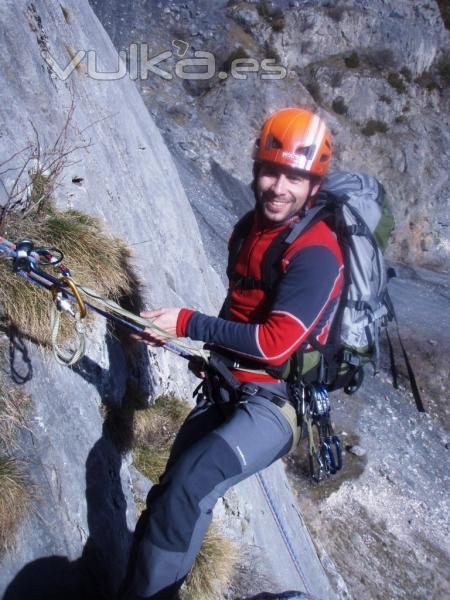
(240, 232)
(312, 216)
(271, 263)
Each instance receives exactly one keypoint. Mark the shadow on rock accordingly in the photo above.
(96, 575)
(98, 572)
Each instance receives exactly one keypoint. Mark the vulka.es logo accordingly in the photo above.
(139, 64)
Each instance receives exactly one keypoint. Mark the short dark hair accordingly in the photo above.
(313, 179)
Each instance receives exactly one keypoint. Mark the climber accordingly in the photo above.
(238, 429)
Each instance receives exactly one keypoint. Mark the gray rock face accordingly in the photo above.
(399, 46)
(75, 542)
(83, 505)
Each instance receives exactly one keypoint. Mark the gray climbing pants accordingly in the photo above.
(212, 452)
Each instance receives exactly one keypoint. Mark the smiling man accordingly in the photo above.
(280, 303)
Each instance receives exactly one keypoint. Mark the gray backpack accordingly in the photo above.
(354, 206)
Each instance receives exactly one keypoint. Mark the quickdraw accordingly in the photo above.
(325, 457)
(67, 292)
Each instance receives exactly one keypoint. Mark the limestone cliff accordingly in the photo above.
(75, 540)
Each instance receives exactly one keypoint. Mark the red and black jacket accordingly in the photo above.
(268, 326)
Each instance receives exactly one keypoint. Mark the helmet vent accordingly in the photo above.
(272, 142)
(307, 151)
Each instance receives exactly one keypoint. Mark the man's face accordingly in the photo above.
(282, 192)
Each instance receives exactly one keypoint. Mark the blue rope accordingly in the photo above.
(283, 531)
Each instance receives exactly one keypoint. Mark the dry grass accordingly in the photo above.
(154, 432)
(67, 13)
(151, 461)
(95, 258)
(13, 402)
(14, 485)
(14, 499)
(213, 568)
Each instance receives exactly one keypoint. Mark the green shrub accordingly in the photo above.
(444, 70)
(273, 16)
(381, 59)
(431, 86)
(427, 81)
(339, 106)
(263, 9)
(313, 88)
(401, 119)
(444, 7)
(374, 126)
(278, 24)
(352, 61)
(239, 52)
(406, 74)
(386, 99)
(336, 12)
(396, 81)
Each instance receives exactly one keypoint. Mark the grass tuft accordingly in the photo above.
(213, 568)
(12, 404)
(15, 494)
(14, 500)
(406, 74)
(385, 99)
(154, 432)
(272, 15)
(67, 13)
(151, 461)
(96, 259)
(395, 80)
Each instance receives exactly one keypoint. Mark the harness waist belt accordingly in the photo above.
(250, 389)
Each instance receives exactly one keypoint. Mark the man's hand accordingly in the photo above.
(164, 318)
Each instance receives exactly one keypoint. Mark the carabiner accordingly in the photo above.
(331, 451)
(74, 290)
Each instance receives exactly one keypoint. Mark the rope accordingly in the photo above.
(116, 309)
(61, 356)
(284, 533)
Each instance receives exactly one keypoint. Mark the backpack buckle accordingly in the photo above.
(351, 358)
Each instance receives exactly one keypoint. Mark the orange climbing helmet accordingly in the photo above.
(296, 138)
